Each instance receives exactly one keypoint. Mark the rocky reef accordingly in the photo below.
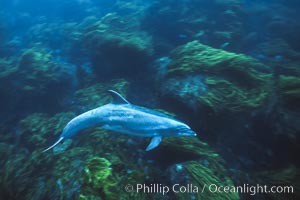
(98, 164)
(78, 172)
(289, 87)
(216, 23)
(118, 47)
(40, 72)
(33, 78)
(214, 78)
(240, 92)
(96, 95)
(38, 128)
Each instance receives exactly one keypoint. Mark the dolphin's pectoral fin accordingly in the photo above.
(117, 98)
(155, 141)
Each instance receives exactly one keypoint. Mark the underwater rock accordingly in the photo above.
(7, 74)
(279, 55)
(135, 9)
(213, 22)
(5, 151)
(283, 25)
(97, 173)
(6, 67)
(226, 81)
(41, 73)
(221, 94)
(49, 176)
(19, 171)
(35, 80)
(205, 169)
(75, 172)
(199, 175)
(63, 38)
(117, 47)
(37, 129)
(96, 95)
(289, 87)
(286, 178)
(189, 146)
(279, 47)
(97, 170)
(79, 172)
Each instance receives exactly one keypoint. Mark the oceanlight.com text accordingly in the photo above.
(212, 188)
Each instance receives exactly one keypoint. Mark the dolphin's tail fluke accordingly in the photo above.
(56, 143)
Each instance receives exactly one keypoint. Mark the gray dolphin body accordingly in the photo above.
(123, 117)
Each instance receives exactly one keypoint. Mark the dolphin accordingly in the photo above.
(124, 117)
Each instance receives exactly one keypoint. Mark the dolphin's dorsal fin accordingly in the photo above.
(117, 98)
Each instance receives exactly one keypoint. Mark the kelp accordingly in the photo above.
(206, 168)
(39, 73)
(96, 95)
(233, 82)
(37, 129)
(289, 88)
(285, 179)
(117, 47)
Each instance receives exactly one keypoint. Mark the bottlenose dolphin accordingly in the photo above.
(124, 117)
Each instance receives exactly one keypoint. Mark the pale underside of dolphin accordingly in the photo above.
(124, 117)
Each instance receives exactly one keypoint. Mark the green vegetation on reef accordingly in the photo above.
(191, 21)
(7, 74)
(81, 173)
(39, 71)
(281, 56)
(6, 68)
(97, 170)
(206, 168)
(96, 95)
(117, 46)
(226, 95)
(80, 167)
(289, 87)
(31, 78)
(114, 29)
(99, 163)
(77, 172)
(190, 145)
(204, 175)
(285, 177)
(37, 129)
(234, 82)
(98, 177)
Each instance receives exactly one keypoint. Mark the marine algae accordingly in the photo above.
(289, 87)
(234, 82)
(207, 168)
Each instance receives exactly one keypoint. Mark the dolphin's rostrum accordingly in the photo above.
(124, 117)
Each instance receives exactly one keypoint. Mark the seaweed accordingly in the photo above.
(38, 128)
(96, 95)
(233, 82)
(206, 168)
(289, 88)
(117, 47)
